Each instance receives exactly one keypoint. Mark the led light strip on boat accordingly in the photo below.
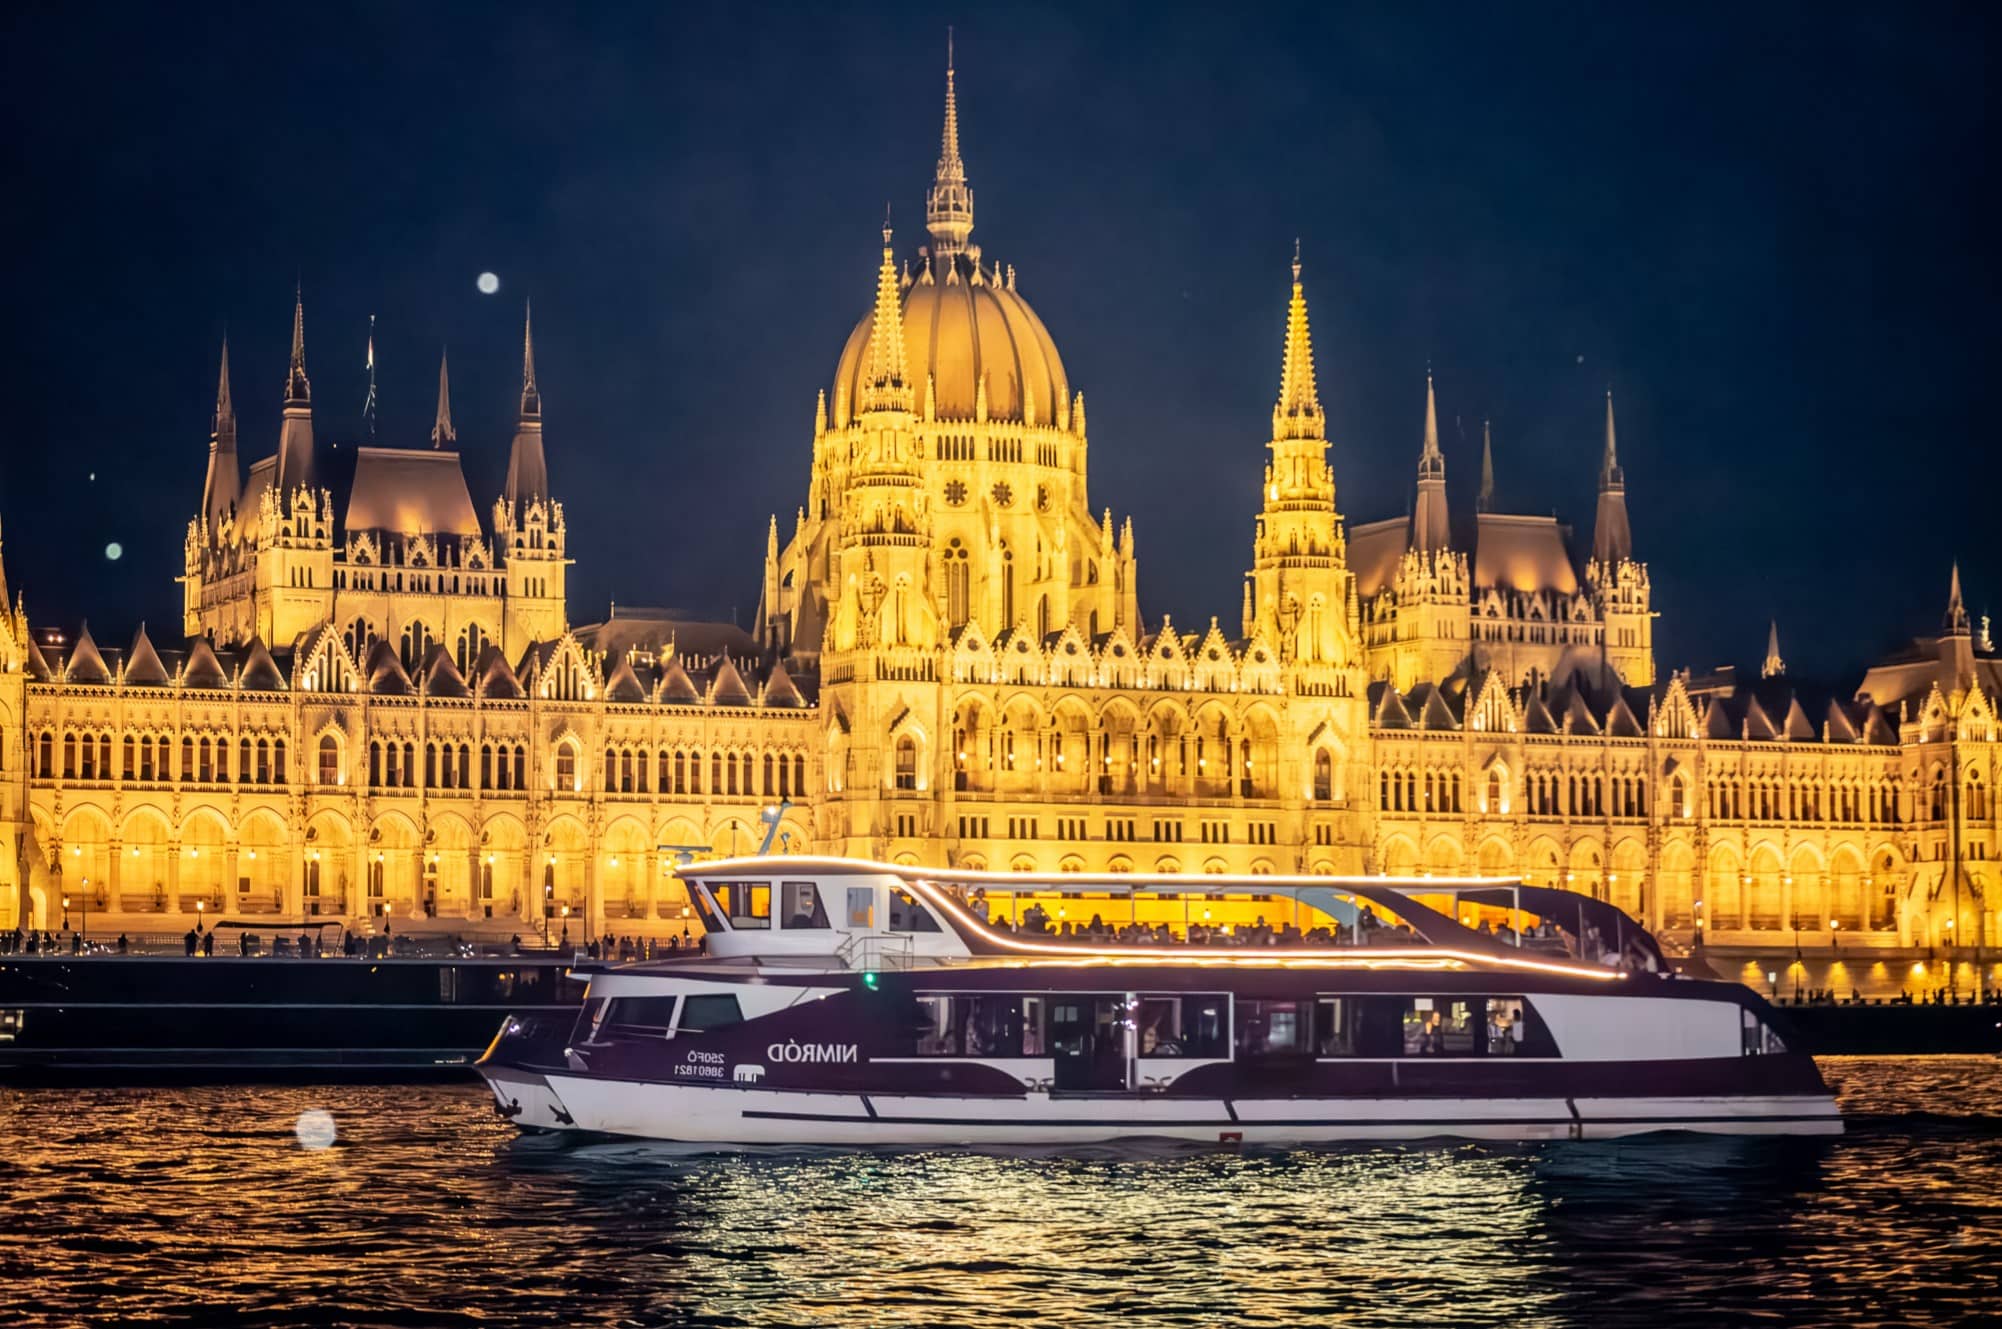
(1430, 957)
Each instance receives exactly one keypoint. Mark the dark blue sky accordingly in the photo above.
(1769, 228)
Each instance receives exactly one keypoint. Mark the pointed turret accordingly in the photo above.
(949, 203)
(295, 435)
(888, 387)
(1773, 665)
(527, 470)
(223, 484)
(442, 433)
(1612, 538)
(1485, 500)
(298, 390)
(1297, 414)
(1431, 529)
(1955, 620)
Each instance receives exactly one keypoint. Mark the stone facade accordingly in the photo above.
(382, 706)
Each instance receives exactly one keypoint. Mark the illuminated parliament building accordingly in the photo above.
(377, 703)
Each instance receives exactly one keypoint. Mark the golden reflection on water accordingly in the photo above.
(125, 1205)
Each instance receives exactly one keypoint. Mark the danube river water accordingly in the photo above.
(415, 1206)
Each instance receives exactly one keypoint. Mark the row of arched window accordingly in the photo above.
(681, 771)
(146, 757)
(1766, 799)
(1412, 791)
(439, 765)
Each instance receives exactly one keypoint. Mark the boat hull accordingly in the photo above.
(727, 1117)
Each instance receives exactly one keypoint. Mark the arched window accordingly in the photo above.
(1324, 775)
(330, 760)
(566, 768)
(907, 763)
(1494, 803)
(958, 581)
(45, 755)
(770, 786)
(417, 640)
(472, 640)
(799, 775)
(409, 765)
(359, 637)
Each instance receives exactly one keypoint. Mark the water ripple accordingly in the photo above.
(167, 1207)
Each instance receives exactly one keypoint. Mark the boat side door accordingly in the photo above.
(1087, 1039)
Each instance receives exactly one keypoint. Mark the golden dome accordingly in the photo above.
(959, 331)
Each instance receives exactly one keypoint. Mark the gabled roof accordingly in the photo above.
(142, 663)
(1536, 716)
(623, 685)
(384, 671)
(203, 669)
(86, 662)
(1621, 722)
(1387, 708)
(677, 688)
(260, 671)
(496, 677)
(38, 664)
(727, 689)
(441, 674)
(780, 689)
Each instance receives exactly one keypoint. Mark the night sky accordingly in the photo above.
(1768, 228)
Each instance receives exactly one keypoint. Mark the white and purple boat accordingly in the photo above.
(842, 1002)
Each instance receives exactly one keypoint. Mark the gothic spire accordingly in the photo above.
(888, 386)
(1955, 620)
(949, 203)
(527, 467)
(1485, 500)
(298, 391)
(1298, 412)
(531, 396)
(295, 468)
(222, 487)
(442, 433)
(1431, 528)
(224, 423)
(1773, 665)
(1612, 536)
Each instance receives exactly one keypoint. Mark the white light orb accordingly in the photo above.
(315, 1129)
(114, 551)
(488, 283)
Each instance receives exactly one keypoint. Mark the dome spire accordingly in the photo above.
(1298, 413)
(1612, 536)
(1431, 528)
(531, 396)
(949, 203)
(298, 391)
(888, 384)
(222, 486)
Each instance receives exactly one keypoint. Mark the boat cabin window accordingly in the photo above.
(747, 904)
(640, 1017)
(1335, 1027)
(705, 1013)
(1760, 1039)
(800, 905)
(1184, 1026)
(907, 915)
(978, 1025)
(1439, 1026)
(1275, 1028)
(861, 908)
(589, 1017)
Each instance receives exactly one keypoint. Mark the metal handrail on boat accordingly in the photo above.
(874, 950)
